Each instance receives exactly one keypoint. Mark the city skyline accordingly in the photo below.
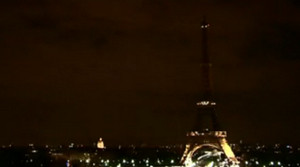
(130, 71)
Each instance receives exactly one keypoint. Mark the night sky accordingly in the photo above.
(128, 71)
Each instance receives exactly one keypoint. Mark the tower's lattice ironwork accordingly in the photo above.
(207, 131)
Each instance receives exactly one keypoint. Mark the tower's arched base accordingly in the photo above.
(208, 149)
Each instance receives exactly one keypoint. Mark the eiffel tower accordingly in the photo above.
(207, 134)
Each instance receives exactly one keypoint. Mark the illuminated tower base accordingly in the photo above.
(215, 140)
(210, 143)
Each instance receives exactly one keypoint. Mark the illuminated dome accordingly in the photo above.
(100, 144)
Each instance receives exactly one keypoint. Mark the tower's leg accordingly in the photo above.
(227, 150)
(185, 153)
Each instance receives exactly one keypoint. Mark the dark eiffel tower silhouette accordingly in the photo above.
(207, 131)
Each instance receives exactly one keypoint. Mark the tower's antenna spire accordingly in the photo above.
(205, 63)
(206, 105)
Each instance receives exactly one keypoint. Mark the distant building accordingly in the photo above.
(100, 144)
